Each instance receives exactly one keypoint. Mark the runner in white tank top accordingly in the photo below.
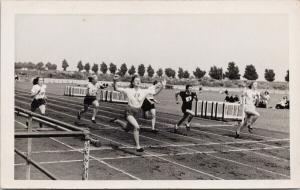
(136, 97)
(251, 96)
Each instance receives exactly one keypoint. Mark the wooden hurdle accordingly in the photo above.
(217, 110)
(118, 97)
(75, 91)
(65, 130)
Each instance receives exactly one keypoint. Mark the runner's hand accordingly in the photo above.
(116, 77)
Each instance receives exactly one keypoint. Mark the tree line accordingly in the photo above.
(232, 72)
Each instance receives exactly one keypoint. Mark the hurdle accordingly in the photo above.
(118, 97)
(217, 110)
(64, 130)
(75, 91)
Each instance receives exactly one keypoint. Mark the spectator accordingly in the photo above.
(264, 99)
(236, 98)
(283, 104)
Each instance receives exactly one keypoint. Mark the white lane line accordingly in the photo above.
(162, 146)
(101, 161)
(261, 154)
(51, 162)
(147, 152)
(268, 171)
(159, 155)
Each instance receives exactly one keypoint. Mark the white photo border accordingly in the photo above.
(9, 9)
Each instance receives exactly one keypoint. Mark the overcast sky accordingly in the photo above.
(163, 41)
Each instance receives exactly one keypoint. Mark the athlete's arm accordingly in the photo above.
(115, 84)
(176, 97)
(195, 96)
(160, 86)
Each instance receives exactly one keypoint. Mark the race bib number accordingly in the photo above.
(189, 98)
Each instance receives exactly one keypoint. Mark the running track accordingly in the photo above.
(208, 151)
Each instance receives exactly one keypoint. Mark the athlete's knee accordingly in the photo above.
(136, 128)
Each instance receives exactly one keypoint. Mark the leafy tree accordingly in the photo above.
(170, 72)
(186, 74)
(103, 68)
(112, 68)
(232, 72)
(87, 67)
(64, 64)
(30, 65)
(131, 71)
(141, 70)
(19, 65)
(48, 65)
(250, 73)
(80, 66)
(269, 75)
(216, 73)
(150, 71)
(39, 66)
(198, 73)
(159, 72)
(123, 70)
(95, 68)
(180, 73)
(53, 67)
(287, 77)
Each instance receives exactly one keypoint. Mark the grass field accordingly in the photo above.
(208, 151)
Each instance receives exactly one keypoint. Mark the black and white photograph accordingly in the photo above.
(190, 94)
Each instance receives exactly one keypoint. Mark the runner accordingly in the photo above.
(38, 92)
(91, 97)
(187, 97)
(251, 96)
(149, 106)
(136, 96)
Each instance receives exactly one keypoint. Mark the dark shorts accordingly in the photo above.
(135, 112)
(88, 100)
(185, 107)
(147, 105)
(36, 103)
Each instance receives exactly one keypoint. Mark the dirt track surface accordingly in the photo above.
(208, 152)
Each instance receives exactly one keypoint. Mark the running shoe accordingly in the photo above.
(94, 121)
(250, 129)
(237, 135)
(176, 130)
(188, 127)
(140, 150)
(113, 120)
(78, 115)
(154, 131)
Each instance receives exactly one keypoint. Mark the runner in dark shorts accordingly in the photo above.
(187, 97)
(38, 92)
(91, 98)
(149, 106)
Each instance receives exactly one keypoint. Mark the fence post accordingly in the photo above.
(29, 144)
(86, 155)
